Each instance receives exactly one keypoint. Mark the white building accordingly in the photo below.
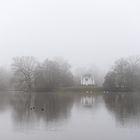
(87, 80)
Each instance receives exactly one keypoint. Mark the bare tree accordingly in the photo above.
(124, 75)
(24, 68)
(53, 74)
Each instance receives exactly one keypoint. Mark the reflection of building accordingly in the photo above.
(87, 79)
(87, 101)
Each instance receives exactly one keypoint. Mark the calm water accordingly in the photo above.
(69, 116)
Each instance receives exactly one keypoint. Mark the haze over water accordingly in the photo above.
(48, 46)
(69, 116)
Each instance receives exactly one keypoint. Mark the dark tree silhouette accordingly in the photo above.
(24, 70)
(125, 75)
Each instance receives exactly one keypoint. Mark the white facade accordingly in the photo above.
(87, 79)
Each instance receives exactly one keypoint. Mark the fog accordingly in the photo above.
(70, 69)
(83, 32)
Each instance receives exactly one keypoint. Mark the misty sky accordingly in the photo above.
(84, 32)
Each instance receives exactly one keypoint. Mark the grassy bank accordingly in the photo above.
(85, 89)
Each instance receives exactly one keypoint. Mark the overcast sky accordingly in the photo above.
(85, 32)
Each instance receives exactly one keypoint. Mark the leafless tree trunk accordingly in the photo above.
(24, 68)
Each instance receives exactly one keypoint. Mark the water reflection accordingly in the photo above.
(87, 101)
(124, 106)
(4, 101)
(36, 107)
(29, 110)
(90, 101)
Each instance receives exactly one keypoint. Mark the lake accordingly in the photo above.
(69, 116)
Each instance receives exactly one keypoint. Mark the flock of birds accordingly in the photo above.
(33, 108)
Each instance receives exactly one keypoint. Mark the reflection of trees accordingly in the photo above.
(47, 107)
(52, 108)
(125, 107)
(4, 101)
(21, 106)
(56, 107)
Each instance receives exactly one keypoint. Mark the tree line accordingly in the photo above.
(27, 73)
(124, 75)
